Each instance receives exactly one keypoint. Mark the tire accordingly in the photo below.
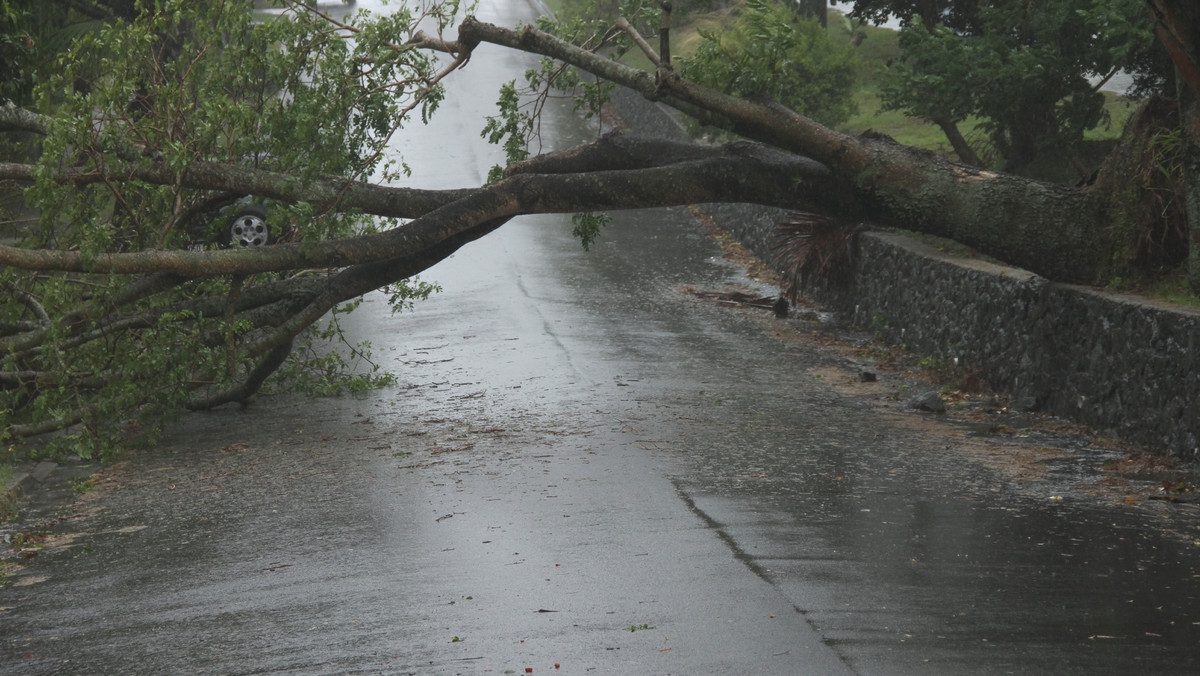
(249, 228)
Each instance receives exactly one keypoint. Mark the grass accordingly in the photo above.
(879, 46)
(1119, 108)
(1171, 288)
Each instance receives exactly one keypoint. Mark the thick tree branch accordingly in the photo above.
(14, 118)
(387, 201)
(52, 424)
(249, 386)
(423, 40)
(1018, 220)
(30, 303)
(50, 378)
(638, 40)
(733, 173)
(102, 318)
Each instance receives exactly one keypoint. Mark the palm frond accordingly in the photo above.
(812, 248)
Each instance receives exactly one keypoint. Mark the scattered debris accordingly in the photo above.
(740, 298)
(930, 401)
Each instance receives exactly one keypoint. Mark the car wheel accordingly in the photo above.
(249, 228)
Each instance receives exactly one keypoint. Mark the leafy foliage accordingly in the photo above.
(1022, 68)
(511, 128)
(176, 84)
(16, 47)
(587, 226)
(146, 103)
(31, 31)
(771, 53)
(320, 368)
(515, 127)
(580, 19)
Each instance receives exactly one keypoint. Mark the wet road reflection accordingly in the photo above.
(904, 550)
(907, 553)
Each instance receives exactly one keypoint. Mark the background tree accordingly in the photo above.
(1031, 72)
(1177, 25)
(813, 9)
(770, 53)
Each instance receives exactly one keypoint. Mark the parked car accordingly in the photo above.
(242, 223)
(246, 227)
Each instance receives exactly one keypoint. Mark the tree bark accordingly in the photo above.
(1061, 232)
(618, 173)
(614, 172)
(962, 149)
(1056, 231)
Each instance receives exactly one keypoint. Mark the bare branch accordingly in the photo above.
(15, 118)
(638, 40)
(894, 184)
(248, 387)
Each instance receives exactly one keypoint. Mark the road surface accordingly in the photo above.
(584, 468)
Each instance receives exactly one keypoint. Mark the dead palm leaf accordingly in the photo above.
(812, 248)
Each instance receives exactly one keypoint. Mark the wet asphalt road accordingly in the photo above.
(583, 464)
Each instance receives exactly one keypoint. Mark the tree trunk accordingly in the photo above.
(1177, 23)
(619, 173)
(1065, 233)
(1054, 230)
(962, 149)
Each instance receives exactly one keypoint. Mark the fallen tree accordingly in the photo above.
(111, 317)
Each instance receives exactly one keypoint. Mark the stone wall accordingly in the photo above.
(1117, 363)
